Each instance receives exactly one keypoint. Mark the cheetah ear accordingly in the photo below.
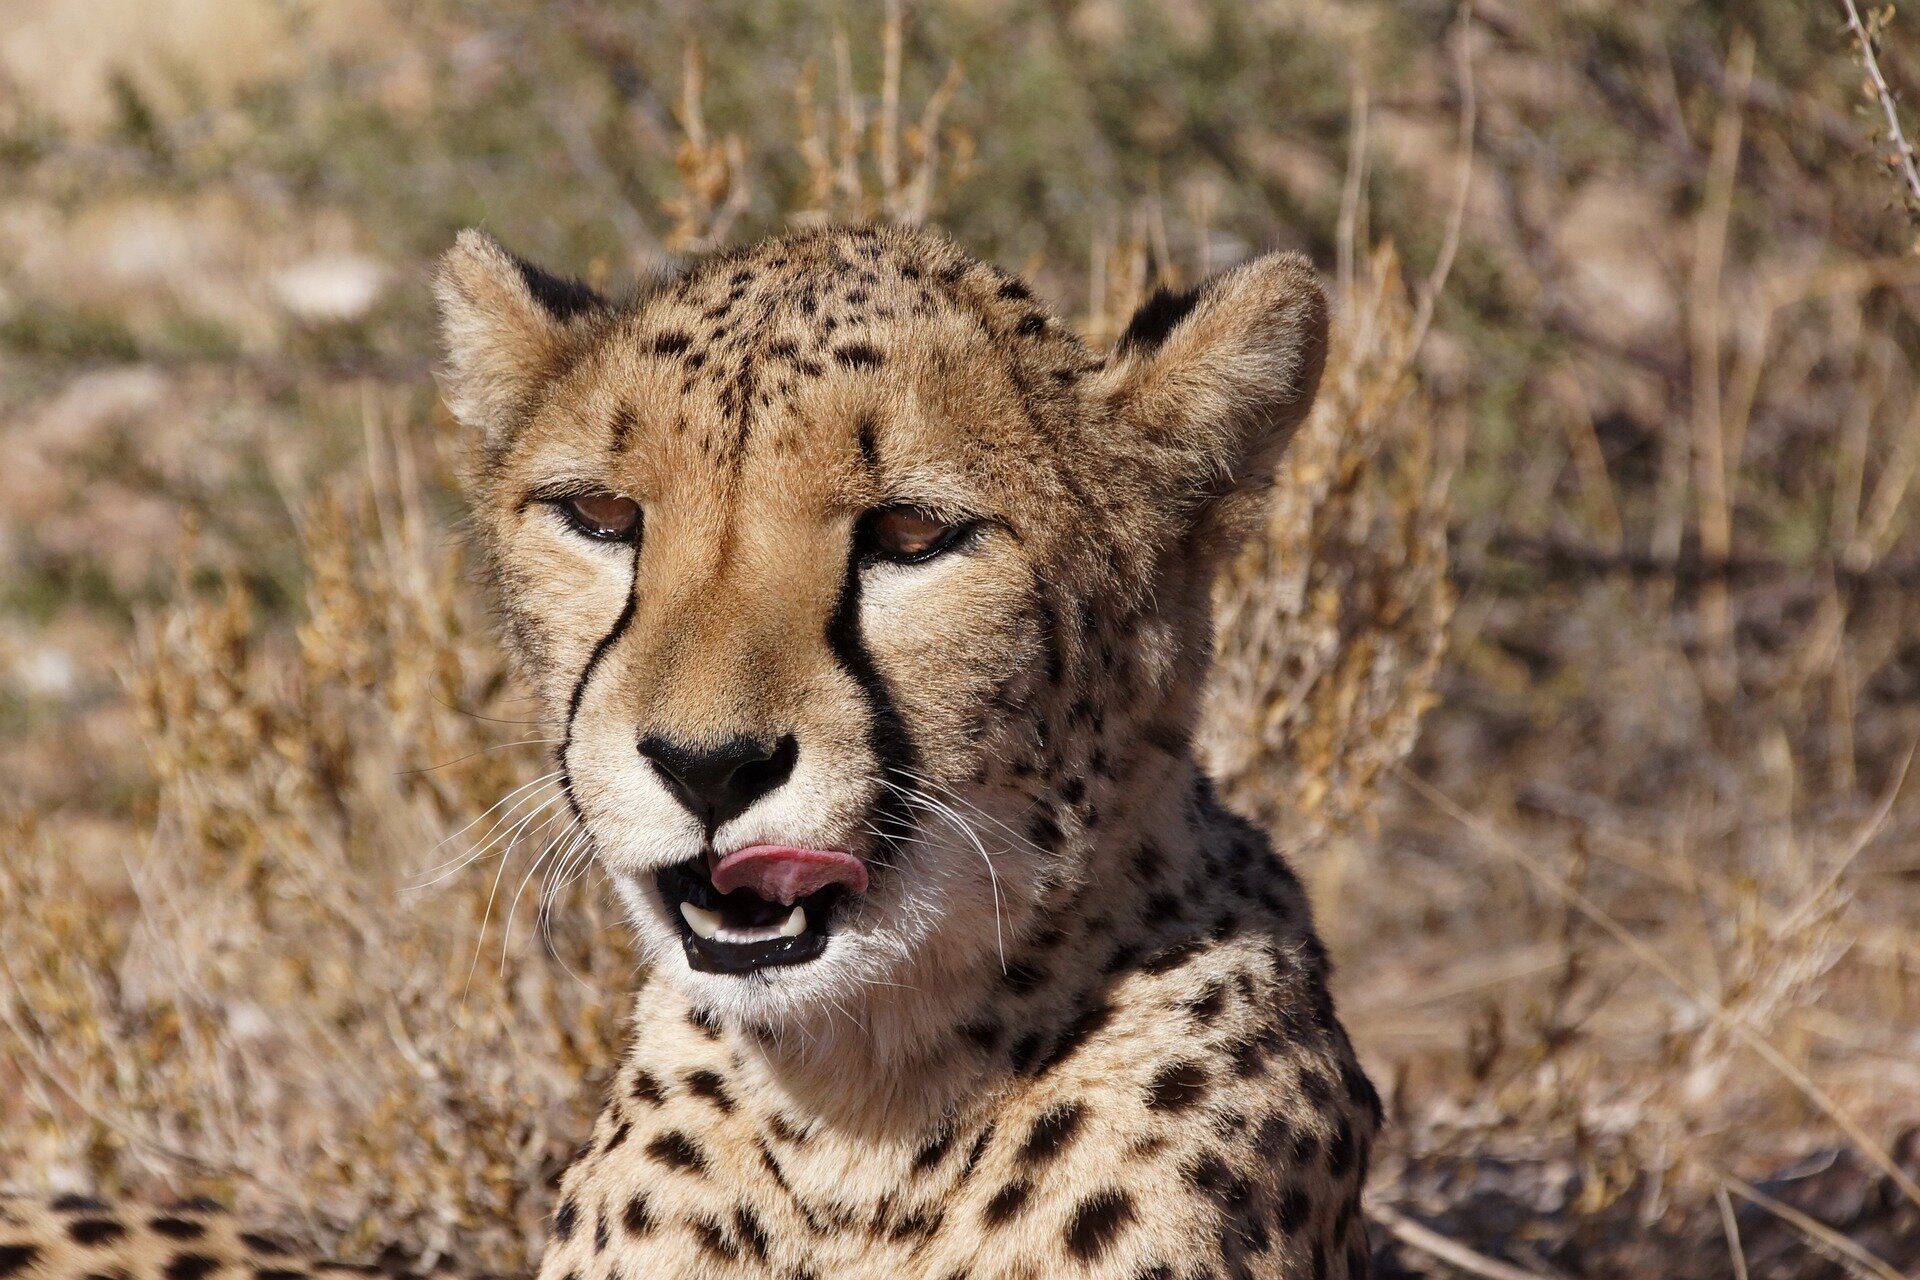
(507, 327)
(1209, 385)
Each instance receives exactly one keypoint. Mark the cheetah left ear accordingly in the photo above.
(507, 328)
(1209, 385)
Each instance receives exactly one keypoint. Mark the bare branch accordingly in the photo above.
(1902, 158)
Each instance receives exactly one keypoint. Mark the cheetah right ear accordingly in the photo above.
(1209, 386)
(507, 327)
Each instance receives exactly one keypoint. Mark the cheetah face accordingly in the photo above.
(805, 551)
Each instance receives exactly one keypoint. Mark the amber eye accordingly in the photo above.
(908, 535)
(606, 516)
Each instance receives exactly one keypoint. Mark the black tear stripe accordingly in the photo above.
(586, 673)
(887, 736)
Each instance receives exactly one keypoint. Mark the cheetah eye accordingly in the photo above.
(608, 517)
(908, 535)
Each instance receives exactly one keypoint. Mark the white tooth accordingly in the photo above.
(795, 924)
(702, 921)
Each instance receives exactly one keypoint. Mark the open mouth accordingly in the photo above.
(759, 907)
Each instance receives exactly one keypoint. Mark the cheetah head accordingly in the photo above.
(857, 593)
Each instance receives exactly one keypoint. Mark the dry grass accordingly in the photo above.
(1576, 665)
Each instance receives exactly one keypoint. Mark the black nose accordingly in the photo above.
(718, 782)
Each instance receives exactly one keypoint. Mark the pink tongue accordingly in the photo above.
(783, 874)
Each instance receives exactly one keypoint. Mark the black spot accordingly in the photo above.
(1159, 1271)
(277, 1273)
(191, 1266)
(1206, 1006)
(1052, 1133)
(178, 1228)
(565, 1218)
(1031, 325)
(714, 1240)
(671, 344)
(747, 1226)
(619, 1135)
(1163, 907)
(1306, 1147)
(708, 1085)
(930, 1155)
(869, 445)
(16, 1257)
(637, 1217)
(1085, 1024)
(94, 1231)
(677, 1151)
(622, 429)
(77, 1204)
(977, 1150)
(266, 1245)
(918, 1223)
(782, 1128)
(1172, 957)
(1177, 1086)
(1099, 1219)
(1024, 1054)
(646, 1089)
(707, 1024)
(1342, 1151)
(559, 297)
(1043, 831)
(1006, 1204)
(858, 355)
(1292, 1210)
(1147, 860)
(1015, 290)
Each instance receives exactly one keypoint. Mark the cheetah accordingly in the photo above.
(871, 610)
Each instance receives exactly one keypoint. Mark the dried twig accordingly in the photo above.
(1852, 1256)
(1706, 1004)
(1452, 1252)
(1730, 1227)
(1711, 460)
(1902, 157)
(1457, 216)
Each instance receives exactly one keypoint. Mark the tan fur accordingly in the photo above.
(1079, 1024)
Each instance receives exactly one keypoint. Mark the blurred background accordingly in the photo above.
(1578, 670)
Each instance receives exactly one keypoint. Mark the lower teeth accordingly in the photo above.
(712, 926)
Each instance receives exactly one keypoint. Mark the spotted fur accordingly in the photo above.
(1079, 1023)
